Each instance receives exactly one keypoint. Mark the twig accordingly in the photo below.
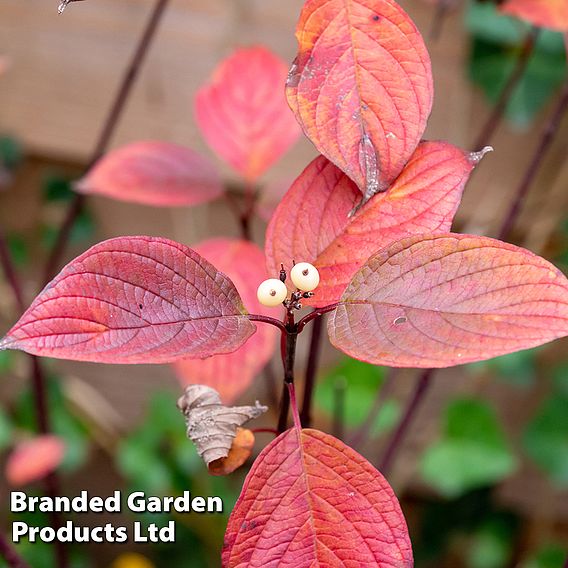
(271, 384)
(311, 372)
(546, 140)
(108, 130)
(10, 272)
(419, 392)
(339, 390)
(288, 350)
(362, 433)
(490, 127)
(8, 552)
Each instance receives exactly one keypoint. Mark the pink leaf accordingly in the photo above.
(242, 111)
(443, 300)
(34, 459)
(361, 87)
(134, 300)
(551, 14)
(154, 173)
(233, 373)
(311, 223)
(310, 500)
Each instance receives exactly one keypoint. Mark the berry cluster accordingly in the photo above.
(273, 292)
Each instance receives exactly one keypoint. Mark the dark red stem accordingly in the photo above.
(289, 341)
(8, 552)
(550, 131)
(311, 372)
(394, 444)
(490, 127)
(267, 319)
(10, 272)
(107, 132)
(315, 314)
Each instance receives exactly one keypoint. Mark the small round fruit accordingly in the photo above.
(305, 276)
(272, 292)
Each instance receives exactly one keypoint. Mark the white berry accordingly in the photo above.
(272, 292)
(305, 276)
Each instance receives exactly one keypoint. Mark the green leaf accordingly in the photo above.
(550, 556)
(19, 250)
(6, 361)
(492, 545)
(10, 152)
(472, 453)
(546, 438)
(363, 382)
(6, 430)
(57, 188)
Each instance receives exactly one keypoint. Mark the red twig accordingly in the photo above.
(267, 319)
(107, 132)
(265, 431)
(490, 127)
(311, 372)
(417, 396)
(546, 140)
(8, 552)
(315, 314)
(289, 340)
(10, 272)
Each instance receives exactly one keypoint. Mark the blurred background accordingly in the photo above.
(483, 473)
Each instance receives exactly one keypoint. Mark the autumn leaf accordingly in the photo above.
(134, 300)
(551, 14)
(311, 223)
(231, 374)
(310, 500)
(33, 459)
(241, 450)
(211, 425)
(361, 87)
(153, 173)
(242, 111)
(443, 300)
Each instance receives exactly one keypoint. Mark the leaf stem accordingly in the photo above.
(107, 132)
(311, 372)
(8, 552)
(267, 319)
(418, 395)
(294, 405)
(549, 133)
(315, 314)
(494, 120)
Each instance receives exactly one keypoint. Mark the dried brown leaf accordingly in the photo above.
(238, 454)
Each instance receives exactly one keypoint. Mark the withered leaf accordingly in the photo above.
(211, 426)
(240, 451)
(63, 5)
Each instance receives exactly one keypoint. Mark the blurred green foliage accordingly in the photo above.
(496, 44)
(472, 452)
(11, 152)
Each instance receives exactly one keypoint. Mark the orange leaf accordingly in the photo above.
(361, 87)
(242, 111)
(551, 14)
(310, 500)
(311, 223)
(233, 373)
(153, 173)
(34, 459)
(443, 300)
(238, 454)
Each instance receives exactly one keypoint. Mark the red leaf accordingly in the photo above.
(34, 459)
(311, 224)
(310, 500)
(361, 87)
(153, 173)
(134, 300)
(242, 111)
(233, 373)
(443, 300)
(551, 14)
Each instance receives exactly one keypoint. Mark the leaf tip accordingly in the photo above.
(476, 157)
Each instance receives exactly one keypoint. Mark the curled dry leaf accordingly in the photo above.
(134, 300)
(242, 111)
(239, 453)
(63, 4)
(551, 14)
(361, 87)
(211, 426)
(155, 173)
(442, 300)
(312, 224)
(34, 459)
(231, 374)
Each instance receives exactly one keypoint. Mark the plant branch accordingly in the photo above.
(549, 133)
(418, 394)
(8, 552)
(494, 120)
(339, 391)
(115, 113)
(288, 351)
(10, 272)
(267, 319)
(316, 313)
(311, 372)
